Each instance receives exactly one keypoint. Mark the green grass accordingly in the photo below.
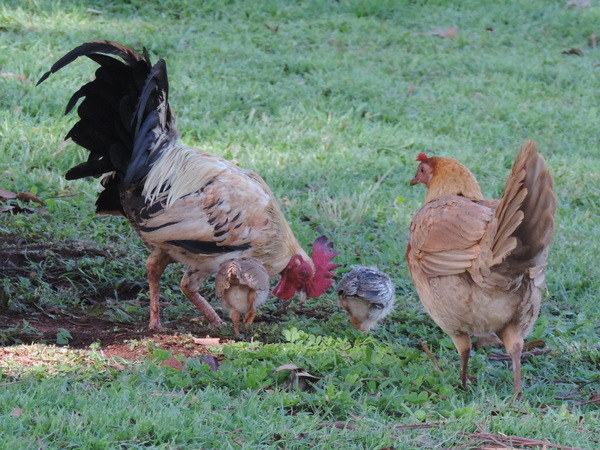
(330, 102)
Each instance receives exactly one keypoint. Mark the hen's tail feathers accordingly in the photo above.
(525, 215)
(125, 119)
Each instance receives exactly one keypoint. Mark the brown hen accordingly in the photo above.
(478, 265)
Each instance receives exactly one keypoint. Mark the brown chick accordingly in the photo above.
(242, 284)
(478, 265)
(368, 296)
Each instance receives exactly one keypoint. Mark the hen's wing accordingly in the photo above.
(445, 235)
(518, 238)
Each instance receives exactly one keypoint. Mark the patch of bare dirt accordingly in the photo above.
(127, 341)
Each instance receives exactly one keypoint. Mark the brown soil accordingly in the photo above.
(114, 339)
(130, 342)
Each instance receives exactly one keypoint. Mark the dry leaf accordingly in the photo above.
(212, 362)
(578, 3)
(172, 362)
(593, 40)
(450, 33)
(16, 209)
(29, 197)
(7, 195)
(17, 412)
(536, 343)
(573, 51)
(209, 342)
(298, 377)
(14, 75)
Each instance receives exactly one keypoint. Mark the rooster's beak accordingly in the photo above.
(302, 295)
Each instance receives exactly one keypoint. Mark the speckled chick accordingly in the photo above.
(242, 284)
(368, 296)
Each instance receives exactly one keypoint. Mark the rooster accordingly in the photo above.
(242, 284)
(368, 296)
(478, 265)
(187, 206)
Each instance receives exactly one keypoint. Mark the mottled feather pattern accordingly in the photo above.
(368, 296)
(242, 284)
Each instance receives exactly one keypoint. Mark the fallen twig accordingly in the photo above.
(415, 427)
(495, 356)
(430, 355)
(516, 440)
(12, 382)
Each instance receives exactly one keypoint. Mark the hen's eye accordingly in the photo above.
(422, 169)
(304, 273)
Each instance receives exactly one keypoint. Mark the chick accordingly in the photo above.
(368, 296)
(242, 284)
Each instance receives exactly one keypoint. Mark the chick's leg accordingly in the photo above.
(251, 314)
(156, 264)
(235, 318)
(190, 285)
(513, 341)
(462, 342)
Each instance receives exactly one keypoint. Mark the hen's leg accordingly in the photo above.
(156, 264)
(190, 285)
(462, 342)
(513, 341)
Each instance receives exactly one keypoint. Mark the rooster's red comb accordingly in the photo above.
(421, 157)
(322, 255)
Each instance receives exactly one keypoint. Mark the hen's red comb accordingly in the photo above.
(421, 157)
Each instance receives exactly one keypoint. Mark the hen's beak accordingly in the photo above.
(414, 181)
(302, 295)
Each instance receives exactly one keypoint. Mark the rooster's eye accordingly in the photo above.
(304, 273)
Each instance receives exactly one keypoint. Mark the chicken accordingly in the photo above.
(368, 296)
(478, 265)
(187, 206)
(242, 284)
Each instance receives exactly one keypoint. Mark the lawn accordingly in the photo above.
(330, 101)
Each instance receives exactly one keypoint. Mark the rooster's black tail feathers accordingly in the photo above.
(125, 119)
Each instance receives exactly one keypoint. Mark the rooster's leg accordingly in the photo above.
(462, 342)
(190, 284)
(513, 341)
(156, 264)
